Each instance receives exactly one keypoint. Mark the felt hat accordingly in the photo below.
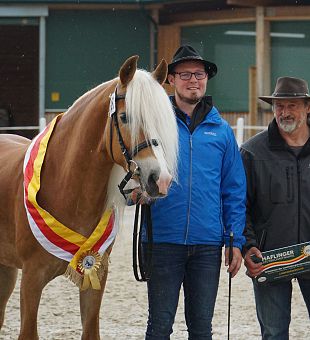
(288, 88)
(187, 53)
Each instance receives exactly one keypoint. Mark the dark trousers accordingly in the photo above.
(273, 307)
(198, 269)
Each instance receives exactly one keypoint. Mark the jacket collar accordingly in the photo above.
(200, 112)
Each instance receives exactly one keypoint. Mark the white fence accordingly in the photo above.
(40, 127)
(240, 127)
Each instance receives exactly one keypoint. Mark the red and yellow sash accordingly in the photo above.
(87, 257)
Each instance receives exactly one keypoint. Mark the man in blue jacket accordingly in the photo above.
(194, 221)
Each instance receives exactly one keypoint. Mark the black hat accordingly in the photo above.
(288, 88)
(186, 53)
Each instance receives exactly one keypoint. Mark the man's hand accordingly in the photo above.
(138, 196)
(236, 261)
(253, 269)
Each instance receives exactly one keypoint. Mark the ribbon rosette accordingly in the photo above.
(88, 265)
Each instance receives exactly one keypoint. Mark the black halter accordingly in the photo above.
(128, 156)
(143, 261)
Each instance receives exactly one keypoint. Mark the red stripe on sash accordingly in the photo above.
(49, 233)
(106, 233)
(33, 155)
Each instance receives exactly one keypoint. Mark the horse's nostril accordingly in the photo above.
(151, 186)
(153, 178)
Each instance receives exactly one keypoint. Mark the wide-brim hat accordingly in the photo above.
(188, 53)
(288, 88)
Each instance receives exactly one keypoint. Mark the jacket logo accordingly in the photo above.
(210, 133)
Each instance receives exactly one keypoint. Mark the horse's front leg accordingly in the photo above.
(90, 302)
(7, 283)
(35, 276)
(30, 295)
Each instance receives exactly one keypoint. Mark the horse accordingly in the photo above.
(123, 127)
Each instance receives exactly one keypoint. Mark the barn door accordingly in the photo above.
(19, 79)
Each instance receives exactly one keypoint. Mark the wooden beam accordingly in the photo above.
(169, 40)
(153, 38)
(288, 13)
(252, 117)
(262, 60)
(208, 17)
(234, 15)
(255, 3)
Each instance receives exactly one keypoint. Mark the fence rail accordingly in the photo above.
(40, 127)
(239, 121)
(241, 127)
(13, 128)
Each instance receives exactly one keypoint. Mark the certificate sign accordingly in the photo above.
(285, 262)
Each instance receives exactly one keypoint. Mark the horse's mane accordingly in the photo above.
(149, 107)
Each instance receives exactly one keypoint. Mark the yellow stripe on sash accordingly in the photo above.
(34, 187)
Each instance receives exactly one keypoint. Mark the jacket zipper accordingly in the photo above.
(299, 197)
(190, 187)
(288, 183)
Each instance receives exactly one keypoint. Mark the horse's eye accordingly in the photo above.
(123, 118)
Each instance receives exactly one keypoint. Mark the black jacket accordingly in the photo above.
(278, 196)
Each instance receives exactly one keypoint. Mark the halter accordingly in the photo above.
(144, 261)
(128, 156)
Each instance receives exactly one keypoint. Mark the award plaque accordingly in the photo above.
(284, 262)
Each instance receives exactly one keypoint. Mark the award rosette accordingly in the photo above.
(88, 265)
(286, 262)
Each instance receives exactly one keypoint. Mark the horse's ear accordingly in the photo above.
(160, 73)
(128, 70)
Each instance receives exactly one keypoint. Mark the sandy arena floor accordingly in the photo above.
(124, 306)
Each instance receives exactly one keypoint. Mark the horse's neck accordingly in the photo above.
(75, 173)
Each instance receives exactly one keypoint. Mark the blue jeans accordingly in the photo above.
(197, 267)
(273, 307)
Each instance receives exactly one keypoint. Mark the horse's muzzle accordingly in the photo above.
(158, 186)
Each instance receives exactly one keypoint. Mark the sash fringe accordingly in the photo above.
(104, 265)
(74, 276)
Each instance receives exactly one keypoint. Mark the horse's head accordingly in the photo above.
(141, 133)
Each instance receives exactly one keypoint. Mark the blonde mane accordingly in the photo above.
(148, 108)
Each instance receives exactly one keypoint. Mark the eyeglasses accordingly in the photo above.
(188, 75)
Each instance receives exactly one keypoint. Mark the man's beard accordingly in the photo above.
(290, 127)
(192, 100)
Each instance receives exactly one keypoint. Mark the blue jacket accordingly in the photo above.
(208, 199)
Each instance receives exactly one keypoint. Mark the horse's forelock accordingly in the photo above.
(148, 107)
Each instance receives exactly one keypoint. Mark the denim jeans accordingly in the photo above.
(273, 307)
(197, 267)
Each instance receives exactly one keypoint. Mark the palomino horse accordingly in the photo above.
(127, 121)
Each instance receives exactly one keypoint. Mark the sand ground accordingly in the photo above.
(124, 307)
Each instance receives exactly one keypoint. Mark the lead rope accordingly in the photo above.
(139, 259)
